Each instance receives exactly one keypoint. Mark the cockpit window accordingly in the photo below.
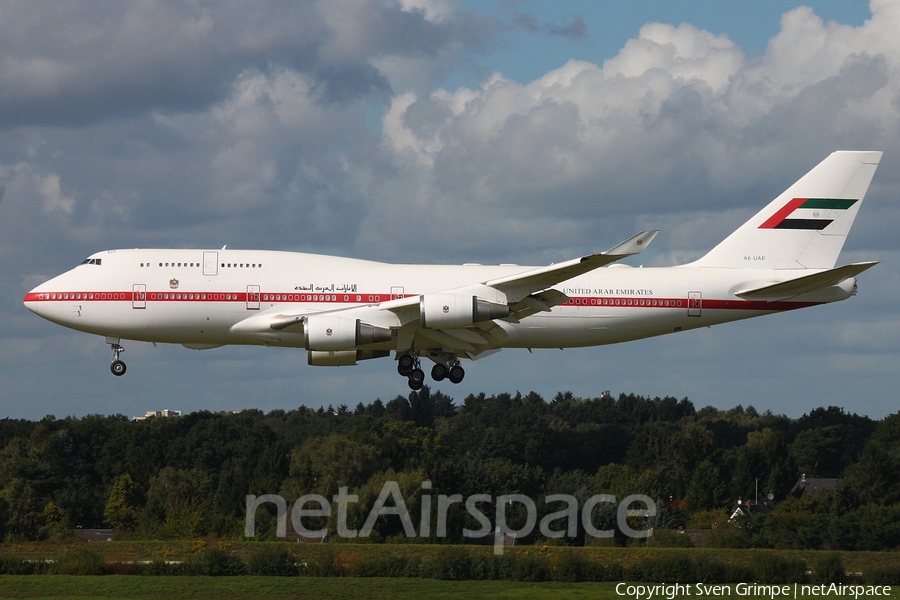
(91, 261)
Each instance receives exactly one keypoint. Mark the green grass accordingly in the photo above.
(126, 550)
(278, 588)
(348, 555)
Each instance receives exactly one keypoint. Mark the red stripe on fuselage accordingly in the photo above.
(78, 296)
(281, 298)
(206, 297)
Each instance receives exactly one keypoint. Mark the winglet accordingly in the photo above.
(634, 245)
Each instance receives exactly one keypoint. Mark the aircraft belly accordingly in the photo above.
(622, 325)
(551, 331)
(177, 324)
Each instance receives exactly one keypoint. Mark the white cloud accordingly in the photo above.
(679, 121)
(53, 198)
(684, 53)
(434, 10)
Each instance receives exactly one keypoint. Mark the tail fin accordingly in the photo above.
(806, 226)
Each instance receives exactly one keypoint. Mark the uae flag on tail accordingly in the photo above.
(808, 213)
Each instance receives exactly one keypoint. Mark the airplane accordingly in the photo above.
(346, 310)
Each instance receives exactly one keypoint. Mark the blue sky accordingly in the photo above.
(449, 132)
(525, 54)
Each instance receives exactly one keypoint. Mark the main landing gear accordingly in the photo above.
(117, 366)
(452, 371)
(408, 365)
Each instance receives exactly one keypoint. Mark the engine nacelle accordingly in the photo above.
(342, 358)
(458, 310)
(334, 358)
(329, 332)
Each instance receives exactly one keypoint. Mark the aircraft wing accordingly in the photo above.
(803, 285)
(521, 285)
(515, 296)
(524, 294)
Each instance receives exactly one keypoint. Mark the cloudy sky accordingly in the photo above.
(441, 131)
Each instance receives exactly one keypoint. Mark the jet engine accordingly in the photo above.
(329, 332)
(458, 310)
(342, 358)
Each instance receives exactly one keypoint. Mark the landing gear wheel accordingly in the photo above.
(416, 376)
(415, 385)
(117, 366)
(405, 364)
(456, 374)
(438, 372)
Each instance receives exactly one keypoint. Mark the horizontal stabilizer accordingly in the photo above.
(806, 284)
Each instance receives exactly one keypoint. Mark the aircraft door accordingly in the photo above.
(139, 296)
(695, 302)
(210, 263)
(252, 297)
(396, 292)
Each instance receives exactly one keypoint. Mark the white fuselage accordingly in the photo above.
(200, 298)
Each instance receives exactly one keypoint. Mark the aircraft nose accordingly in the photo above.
(51, 300)
(31, 301)
(38, 299)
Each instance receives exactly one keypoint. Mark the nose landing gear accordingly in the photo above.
(117, 366)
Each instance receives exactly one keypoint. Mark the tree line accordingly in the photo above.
(188, 476)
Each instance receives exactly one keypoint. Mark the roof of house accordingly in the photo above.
(811, 485)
